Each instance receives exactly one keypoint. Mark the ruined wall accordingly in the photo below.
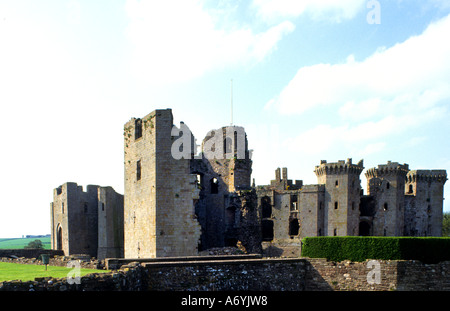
(110, 223)
(159, 191)
(223, 169)
(74, 219)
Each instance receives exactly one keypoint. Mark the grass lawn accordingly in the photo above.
(15, 271)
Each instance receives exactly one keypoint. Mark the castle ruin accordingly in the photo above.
(180, 205)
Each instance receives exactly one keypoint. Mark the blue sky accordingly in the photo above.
(312, 80)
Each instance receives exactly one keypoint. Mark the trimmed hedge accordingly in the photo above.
(355, 248)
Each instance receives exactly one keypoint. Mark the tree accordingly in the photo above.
(35, 244)
(446, 225)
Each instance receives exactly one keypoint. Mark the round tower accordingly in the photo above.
(386, 184)
(342, 196)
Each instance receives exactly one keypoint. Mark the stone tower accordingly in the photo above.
(342, 196)
(224, 168)
(386, 184)
(159, 191)
(424, 202)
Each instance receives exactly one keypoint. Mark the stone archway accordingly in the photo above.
(364, 228)
(59, 238)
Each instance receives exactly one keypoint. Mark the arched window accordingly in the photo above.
(410, 189)
(385, 206)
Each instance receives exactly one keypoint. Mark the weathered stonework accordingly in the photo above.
(178, 202)
(78, 220)
(159, 192)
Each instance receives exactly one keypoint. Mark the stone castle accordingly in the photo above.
(178, 206)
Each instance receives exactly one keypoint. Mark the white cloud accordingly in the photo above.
(179, 40)
(331, 10)
(414, 72)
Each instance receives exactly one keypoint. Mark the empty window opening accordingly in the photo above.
(336, 205)
(103, 206)
(410, 189)
(385, 206)
(138, 170)
(138, 129)
(293, 226)
(388, 185)
(214, 186)
(59, 239)
(337, 183)
(267, 230)
(266, 207)
(335, 232)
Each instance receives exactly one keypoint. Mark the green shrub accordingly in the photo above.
(427, 250)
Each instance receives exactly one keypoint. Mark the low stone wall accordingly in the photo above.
(267, 274)
(29, 252)
(62, 261)
(242, 275)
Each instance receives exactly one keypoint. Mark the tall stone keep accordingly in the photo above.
(386, 184)
(159, 214)
(341, 197)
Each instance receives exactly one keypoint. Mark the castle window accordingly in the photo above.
(214, 186)
(335, 232)
(337, 183)
(336, 205)
(266, 207)
(388, 185)
(138, 170)
(293, 226)
(138, 129)
(385, 206)
(410, 189)
(103, 206)
(320, 232)
(62, 207)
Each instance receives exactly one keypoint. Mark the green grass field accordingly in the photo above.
(15, 271)
(22, 242)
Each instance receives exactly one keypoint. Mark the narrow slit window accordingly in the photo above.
(138, 170)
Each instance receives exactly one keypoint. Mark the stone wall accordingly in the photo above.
(288, 274)
(29, 252)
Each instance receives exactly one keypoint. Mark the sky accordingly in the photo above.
(312, 80)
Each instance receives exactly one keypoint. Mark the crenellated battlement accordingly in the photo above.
(340, 167)
(439, 176)
(391, 168)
